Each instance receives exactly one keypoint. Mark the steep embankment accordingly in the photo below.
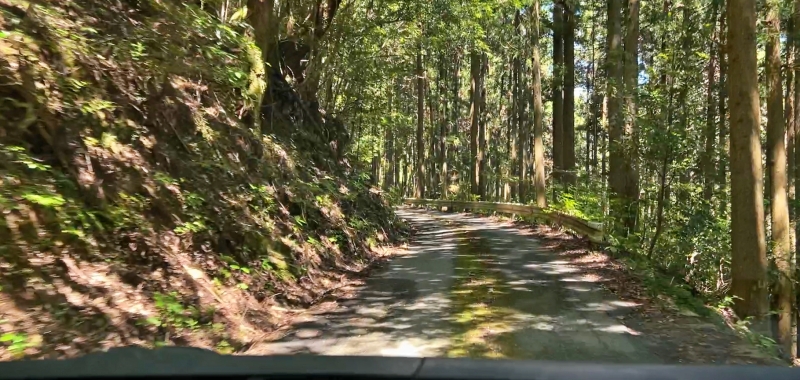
(141, 203)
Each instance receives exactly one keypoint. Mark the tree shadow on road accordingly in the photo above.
(468, 287)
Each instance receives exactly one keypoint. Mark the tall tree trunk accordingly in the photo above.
(558, 90)
(614, 63)
(513, 136)
(538, 110)
(420, 190)
(261, 16)
(592, 96)
(388, 147)
(455, 109)
(722, 93)
(749, 252)
(432, 159)
(776, 165)
(568, 141)
(508, 169)
(523, 133)
(796, 126)
(519, 107)
(789, 106)
(482, 127)
(443, 128)
(631, 129)
(330, 105)
(687, 50)
(475, 95)
(711, 114)
(399, 141)
(665, 163)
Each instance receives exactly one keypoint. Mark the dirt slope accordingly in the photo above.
(141, 203)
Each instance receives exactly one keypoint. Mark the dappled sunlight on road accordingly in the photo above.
(470, 287)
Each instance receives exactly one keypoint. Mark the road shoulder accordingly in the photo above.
(677, 334)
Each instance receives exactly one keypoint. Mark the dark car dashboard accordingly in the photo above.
(176, 363)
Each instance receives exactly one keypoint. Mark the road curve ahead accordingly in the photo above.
(470, 287)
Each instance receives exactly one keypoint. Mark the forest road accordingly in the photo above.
(471, 287)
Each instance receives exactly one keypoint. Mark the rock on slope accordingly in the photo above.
(143, 201)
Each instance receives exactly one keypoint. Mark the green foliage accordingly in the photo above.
(173, 313)
(15, 342)
(190, 227)
(394, 196)
(18, 154)
(142, 122)
(46, 200)
(583, 202)
(96, 106)
(127, 212)
(223, 347)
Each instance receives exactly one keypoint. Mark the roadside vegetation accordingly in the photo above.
(143, 199)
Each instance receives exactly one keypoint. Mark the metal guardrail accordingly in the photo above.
(592, 230)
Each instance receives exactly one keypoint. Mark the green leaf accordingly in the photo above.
(44, 200)
(239, 15)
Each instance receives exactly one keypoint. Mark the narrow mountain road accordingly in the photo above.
(470, 287)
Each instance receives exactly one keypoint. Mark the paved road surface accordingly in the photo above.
(469, 287)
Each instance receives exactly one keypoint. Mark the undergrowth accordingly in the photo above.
(138, 189)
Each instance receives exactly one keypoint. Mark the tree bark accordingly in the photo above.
(420, 189)
(482, 128)
(558, 90)
(519, 110)
(261, 16)
(442, 93)
(614, 64)
(796, 126)
(722, 143)
(593, 98)
(749, 253)
(388, 147)
(789, 106)
(776, 165)
(631, 129)
(513, 132)
(475, 94)
(568, 141)
(508, 170)
(523, 132)
(456, 101)
(687, 50)
(665, 164)
(432, 159)
(538, 109)
(707, 159)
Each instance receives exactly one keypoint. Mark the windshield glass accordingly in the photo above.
(553, 180)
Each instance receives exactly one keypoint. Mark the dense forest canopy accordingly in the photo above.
(673, 123)
(652, 116)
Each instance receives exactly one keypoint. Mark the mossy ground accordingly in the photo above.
(479, 298)
(141, 202)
